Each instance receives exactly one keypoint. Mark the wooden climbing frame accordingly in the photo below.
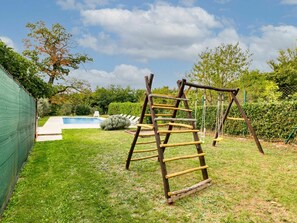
(172, 125)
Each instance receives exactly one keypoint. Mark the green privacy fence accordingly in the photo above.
(17, 132)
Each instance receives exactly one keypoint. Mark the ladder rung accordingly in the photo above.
(158, 115)
(146, 126)
(172, 108)
(151, 126)
(185, 171)
(200, 185)
(176, 119)
(145, 150)
(145, 157)
(183, 157)
(236, 119)
(168, 97)
(180, 125)
(180, 144)
(165, 105)
(178, 131)
(218, 139)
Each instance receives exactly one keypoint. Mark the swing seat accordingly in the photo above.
(218, 139)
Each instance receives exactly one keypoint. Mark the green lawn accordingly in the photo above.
(42, 121)
(83, 179)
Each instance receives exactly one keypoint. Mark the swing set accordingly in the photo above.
(221, 114)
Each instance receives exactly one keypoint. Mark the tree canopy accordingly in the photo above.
(50, 50)
(258, 87)
(102, 97)
(220, 66)
(285, 70)
(24, 71)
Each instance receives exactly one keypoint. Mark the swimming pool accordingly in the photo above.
(81, 120)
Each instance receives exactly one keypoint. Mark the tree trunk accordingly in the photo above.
(51, 80)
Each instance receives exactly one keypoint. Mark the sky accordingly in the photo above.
(130, 39)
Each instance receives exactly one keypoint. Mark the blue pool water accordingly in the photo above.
(82, 120)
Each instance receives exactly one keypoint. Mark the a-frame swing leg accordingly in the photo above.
(248, 123)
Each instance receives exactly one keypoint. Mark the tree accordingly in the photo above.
(66, 103)
(257, 87)
(285, 71)
(102, 97)
(220, 67)
(50, 50)
(24, 71)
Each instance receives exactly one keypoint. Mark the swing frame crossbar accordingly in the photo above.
(233, 92)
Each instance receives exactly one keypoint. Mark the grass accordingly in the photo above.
(83, 179)
(42, 121)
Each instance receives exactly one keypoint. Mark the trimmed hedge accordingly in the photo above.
(127, 108)
(271, 121)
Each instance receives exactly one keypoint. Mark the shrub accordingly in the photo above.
(115, 122)
(82, 110)
(65, 109)
(43, 107)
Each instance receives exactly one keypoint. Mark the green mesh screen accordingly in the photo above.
(17, 132)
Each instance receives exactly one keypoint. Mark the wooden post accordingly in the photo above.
(150, 80)
(158, 140)
(251, 129)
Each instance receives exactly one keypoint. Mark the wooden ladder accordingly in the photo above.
(165, 124)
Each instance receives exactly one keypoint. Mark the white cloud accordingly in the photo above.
(173, 32)
(162, 31)
(123, 75)
(81, 4)
(8, 42)
(289, 2)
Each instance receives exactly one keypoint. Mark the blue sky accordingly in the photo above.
(130, 39)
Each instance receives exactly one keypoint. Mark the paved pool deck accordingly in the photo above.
(52, 129)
